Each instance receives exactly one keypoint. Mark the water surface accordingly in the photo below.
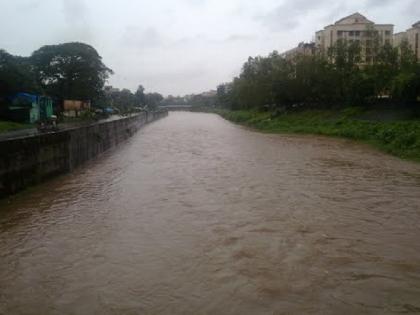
(194, 215)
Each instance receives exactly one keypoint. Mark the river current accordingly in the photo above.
(195, 215)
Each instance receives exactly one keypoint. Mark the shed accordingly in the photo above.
(29, 108)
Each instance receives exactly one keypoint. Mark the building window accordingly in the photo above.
(357, 33)
(339, 33)
(351, 33)
(387, 33)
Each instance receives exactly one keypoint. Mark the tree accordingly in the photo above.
(406, 84)
(224, 95)
(140, 96)
(16, 75)
(353, 73)
(153, 100)
(383, 69)
(124, 100)
(71, 70)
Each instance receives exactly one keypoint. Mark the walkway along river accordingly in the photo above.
(194, 215)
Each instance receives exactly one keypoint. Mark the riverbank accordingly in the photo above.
(400, 137)
(29, 160)
(6, 126)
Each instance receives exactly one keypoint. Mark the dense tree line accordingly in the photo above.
(196, 100)
(125, 101)
(67, 71)
(16, 74)
(346, 75)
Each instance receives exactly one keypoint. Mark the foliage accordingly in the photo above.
(399, 137)
(125, 101)
(195, 100)
(152, 100)
(10, 126)
(70, 71)
(346, 76)
(140, 96)
(16, 75)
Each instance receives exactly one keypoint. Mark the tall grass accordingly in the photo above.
(400, 138)
(10, 126)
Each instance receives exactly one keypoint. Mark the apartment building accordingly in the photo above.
(412, 36)
(305, 49)
(354, 28)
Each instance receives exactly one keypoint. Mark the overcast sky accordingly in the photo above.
(183, 46)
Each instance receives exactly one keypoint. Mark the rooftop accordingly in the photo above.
(358, 18)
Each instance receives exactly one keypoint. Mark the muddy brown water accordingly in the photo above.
(194, 215)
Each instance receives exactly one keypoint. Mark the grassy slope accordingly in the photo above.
(400, 138)
(9, 126)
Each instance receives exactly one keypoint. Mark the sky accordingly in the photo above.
(184, 46)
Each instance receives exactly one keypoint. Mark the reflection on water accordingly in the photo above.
(194, 215)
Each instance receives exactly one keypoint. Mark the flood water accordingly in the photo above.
(194, 215)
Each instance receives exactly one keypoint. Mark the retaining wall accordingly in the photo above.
(31, 160)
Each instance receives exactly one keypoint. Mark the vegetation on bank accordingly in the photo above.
(342, 77)
(318, 94)
(398, 137)
(69, 71)
(6, 126)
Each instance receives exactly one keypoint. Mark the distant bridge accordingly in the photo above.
(186, 108)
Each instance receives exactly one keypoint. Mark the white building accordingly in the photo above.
(303, 49)
(412, 37)
(354, 28)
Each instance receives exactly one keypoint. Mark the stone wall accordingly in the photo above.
(31, 160)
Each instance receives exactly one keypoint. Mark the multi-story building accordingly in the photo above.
(399, 38)
(412, 36)
(305, 49)
(354, 28)
(109, 89)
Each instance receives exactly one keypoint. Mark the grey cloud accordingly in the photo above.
(376, 3)
(203, 39)
(240, 38)
(30, 5)
(75, 11)
(197, 2)
(289, 14)
(77, 16)
(188, 40)
(413, 10)
(335, 12)
(145, 39)
(142, 38)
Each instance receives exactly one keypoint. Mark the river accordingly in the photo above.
(195, 215)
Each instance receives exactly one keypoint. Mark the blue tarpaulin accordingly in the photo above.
(26, 96)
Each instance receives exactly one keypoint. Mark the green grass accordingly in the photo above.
(6, 126)
(400, 137)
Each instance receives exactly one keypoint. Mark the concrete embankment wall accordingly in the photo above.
(31, 160)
